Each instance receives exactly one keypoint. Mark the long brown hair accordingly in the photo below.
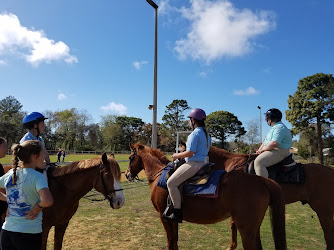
(23, 153)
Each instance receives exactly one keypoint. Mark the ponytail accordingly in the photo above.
(16, 149)
(23, 153)
(201, 123)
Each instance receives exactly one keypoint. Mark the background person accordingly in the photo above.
(27, 194)
(3, 152)
(196, 155)
(59, 155)
(276, 144)
(64, 154)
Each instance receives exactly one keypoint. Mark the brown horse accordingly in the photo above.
(70, 183)
(231, 201)
(317, 191)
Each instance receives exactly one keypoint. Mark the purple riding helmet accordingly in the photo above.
(197, 114)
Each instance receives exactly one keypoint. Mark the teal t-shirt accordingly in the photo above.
(21, 198)
(280, 134)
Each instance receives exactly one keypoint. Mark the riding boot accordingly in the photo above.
(176, 216)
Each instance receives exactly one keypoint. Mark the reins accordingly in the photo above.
(239, 166)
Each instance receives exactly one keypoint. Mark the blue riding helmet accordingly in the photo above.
(32, 118)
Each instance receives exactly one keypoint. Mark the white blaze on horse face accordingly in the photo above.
(118, 199)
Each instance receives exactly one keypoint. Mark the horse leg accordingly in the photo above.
(250, 236)
(234, 240)
(258, 240)
(59, 235)
(171, 229)
(45, 234)
(327, 224)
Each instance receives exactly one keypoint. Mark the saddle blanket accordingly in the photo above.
(208, 189)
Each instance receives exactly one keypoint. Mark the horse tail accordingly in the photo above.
(277, 214)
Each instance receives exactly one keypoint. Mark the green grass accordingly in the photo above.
(137, 226)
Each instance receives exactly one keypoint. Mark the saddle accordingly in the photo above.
(201, 177)
(286, 171)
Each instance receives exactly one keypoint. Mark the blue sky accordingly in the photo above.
(218, 55)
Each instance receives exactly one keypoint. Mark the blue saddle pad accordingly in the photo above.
(209, 188)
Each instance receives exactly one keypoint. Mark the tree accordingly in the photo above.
(11, 117)
(312, 103)
(129, 126)
(252, 134)
(174, 118)
(222, 124)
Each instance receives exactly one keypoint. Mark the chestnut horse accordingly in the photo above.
(70, 183)
(232, 201)
(317, 191)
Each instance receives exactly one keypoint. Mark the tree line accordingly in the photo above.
(311, 113)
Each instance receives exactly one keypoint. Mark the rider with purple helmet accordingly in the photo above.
(276, 144)
(196, 156)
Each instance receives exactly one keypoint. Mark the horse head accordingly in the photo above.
(109, 183)
(135, 163)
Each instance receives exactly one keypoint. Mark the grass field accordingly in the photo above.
(137, 226)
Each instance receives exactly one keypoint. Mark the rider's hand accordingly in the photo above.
(175, 156)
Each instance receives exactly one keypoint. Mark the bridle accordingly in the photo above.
(131, 177)
(106, 191)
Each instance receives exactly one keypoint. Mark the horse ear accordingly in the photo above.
(131, 146)
(104, 158)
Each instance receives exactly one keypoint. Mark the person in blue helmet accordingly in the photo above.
(196, 156)
(34, 123)
(276, 144)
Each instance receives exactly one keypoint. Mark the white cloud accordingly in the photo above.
(33, 45)
(116, 108)
(2, 62)
(138, 65)
(218, 29)
(61, 97)
(249, 91)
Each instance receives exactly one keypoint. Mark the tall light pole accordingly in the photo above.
(154, 122)
(260, 124)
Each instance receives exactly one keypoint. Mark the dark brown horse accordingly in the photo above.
(232, 201)
(70, 183)
(317, 191)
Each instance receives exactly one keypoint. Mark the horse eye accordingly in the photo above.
(107, 175)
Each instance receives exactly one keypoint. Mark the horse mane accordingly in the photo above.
(152, 155)
(78, 166)
(156, 153)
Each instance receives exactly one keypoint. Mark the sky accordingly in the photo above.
(98, 56)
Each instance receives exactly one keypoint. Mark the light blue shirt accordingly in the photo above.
(280, 134)
(21, 198)
(198, 143)
(29, 136)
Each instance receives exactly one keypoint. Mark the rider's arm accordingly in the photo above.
(3, 197)
(46, 156)
(183, 154)
(271, 145)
